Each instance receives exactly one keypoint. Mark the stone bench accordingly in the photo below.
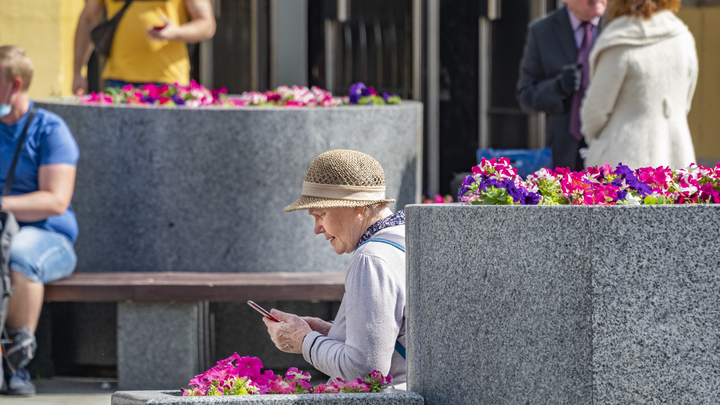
(164, 330)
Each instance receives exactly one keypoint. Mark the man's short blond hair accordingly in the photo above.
(15, 63)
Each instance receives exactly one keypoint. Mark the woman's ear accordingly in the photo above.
(360, 210)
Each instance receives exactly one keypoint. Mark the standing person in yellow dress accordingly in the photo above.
(150, 41)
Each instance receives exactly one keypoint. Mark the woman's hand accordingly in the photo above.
(166, 32)
(287, 334)
(317, 324)
(200, 27)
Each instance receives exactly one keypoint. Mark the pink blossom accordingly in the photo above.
(249, 366)
(325, 389)
(281, 386)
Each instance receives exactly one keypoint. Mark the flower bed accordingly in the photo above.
(196, 95)
(244, 376)
(495, 182)
(438, 199)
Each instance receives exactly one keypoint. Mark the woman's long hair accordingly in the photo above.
(637, 8)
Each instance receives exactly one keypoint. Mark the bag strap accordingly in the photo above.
(389, 242)
(398, 346)
(18, 148)
(400, 349)
(122, 10)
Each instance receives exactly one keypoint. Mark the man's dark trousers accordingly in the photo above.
(550, 47)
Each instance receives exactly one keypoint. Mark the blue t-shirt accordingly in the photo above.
(48, 142)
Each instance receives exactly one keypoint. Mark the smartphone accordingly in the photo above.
(262, 310)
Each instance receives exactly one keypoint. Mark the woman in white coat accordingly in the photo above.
(643, 72)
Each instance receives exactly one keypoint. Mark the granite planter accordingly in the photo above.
(182, 189)
(387, 397)
(563, 304)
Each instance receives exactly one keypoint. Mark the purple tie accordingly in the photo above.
(583, 57)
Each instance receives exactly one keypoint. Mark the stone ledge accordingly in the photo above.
(387, 397)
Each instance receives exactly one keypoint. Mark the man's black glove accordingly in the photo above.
(570, 78)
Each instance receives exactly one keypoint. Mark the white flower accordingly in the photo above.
(632, 200)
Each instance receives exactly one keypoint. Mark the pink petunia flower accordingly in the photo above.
(281, 386)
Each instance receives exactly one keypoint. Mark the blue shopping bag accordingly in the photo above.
(525, 161)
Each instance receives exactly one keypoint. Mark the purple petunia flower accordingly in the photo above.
(632, 181)
(357, 91)
(514, 192)
(621, 195)
(531, 198)
(467, 181)
(491, 182)
(521, 194)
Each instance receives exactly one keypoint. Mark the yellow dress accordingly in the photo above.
(137, 58)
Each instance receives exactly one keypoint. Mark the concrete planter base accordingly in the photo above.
(564, 305)
(387, 397)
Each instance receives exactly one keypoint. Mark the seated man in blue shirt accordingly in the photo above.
(42, 251)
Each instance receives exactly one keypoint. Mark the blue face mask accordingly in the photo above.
(5, 108)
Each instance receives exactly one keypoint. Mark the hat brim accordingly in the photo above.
(307, 203)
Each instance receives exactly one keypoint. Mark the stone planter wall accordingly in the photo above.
(179, 189)
(576, 305)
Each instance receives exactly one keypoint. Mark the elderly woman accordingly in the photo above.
(344, 191)
(643, 72)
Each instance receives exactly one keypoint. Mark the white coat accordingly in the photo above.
(643, 74)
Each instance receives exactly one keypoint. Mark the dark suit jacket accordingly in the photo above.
(550, 46)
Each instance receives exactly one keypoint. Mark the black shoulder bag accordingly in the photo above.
(103, 35)
(9, 228)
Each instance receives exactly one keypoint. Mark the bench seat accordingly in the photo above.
(186, 287)
(164, 321)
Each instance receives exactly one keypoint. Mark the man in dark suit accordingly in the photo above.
(554, 74)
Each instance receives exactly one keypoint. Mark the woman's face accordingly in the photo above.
(343, 227)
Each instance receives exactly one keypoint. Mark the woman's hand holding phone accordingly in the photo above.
(288, 333)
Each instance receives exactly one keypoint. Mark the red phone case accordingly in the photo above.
(262, 310)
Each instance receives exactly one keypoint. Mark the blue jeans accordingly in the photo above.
(120, 83)
(41, 255)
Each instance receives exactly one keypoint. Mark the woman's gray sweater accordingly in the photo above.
(371, 317)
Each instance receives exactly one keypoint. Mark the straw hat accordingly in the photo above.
(342, 178)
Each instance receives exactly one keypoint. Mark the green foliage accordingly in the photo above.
(241, 387)
(659, 200)
(378, 100)
(494, 196)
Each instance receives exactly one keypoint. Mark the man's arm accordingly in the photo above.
(89, 18)
(539, 93)
(56, 184)
(200, 27)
